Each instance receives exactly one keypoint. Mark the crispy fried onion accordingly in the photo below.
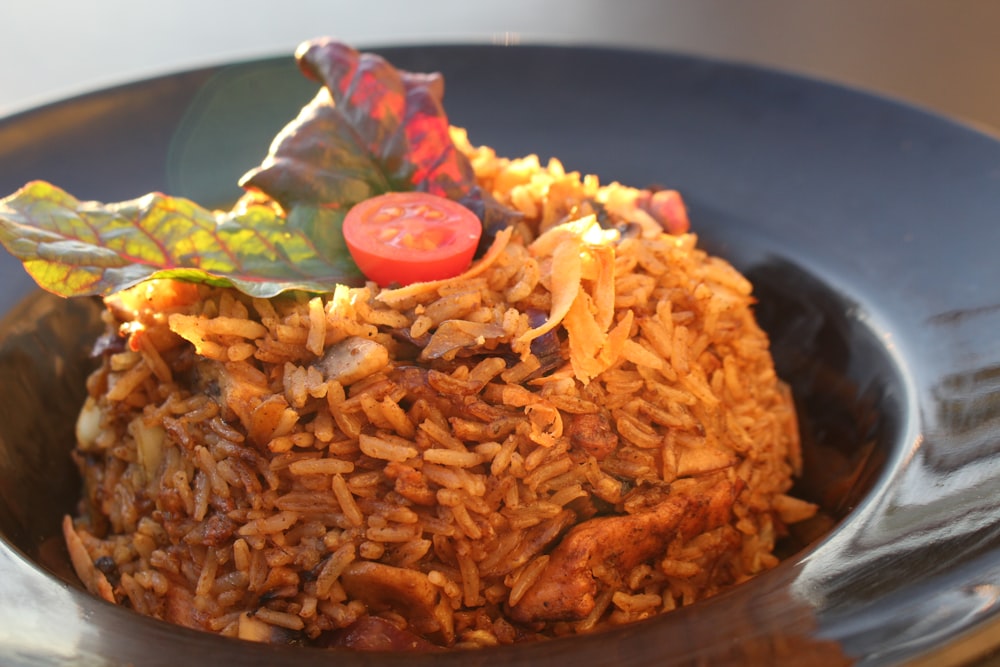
(580, 259)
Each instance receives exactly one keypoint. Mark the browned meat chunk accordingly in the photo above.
(566, 588)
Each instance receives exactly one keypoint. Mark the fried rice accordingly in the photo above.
(584, 430)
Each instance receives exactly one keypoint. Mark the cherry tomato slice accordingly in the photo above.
(408, 237)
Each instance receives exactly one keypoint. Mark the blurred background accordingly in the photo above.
(940, 54)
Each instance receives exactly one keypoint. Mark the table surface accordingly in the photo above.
(944, 56)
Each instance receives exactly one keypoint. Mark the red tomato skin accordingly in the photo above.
(401, 238)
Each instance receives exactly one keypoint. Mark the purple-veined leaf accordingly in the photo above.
(75, 248)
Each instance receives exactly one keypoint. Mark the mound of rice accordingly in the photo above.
(584, 430)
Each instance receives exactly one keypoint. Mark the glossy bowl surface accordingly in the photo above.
(869, 229)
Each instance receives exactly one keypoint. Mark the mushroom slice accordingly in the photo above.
(409, 592)
(353, 359)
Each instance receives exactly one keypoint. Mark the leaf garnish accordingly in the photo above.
(78, 248)
(370, 129)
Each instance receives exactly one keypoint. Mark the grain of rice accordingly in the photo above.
(422, 324)
(525, 516)
(365, 484)
(637, 432)
(123, 361)
(135, 593)
(279, 618)
(447, 585)
(396, 419)
(440, 434)
(385, 449)
(371, 550)
(568, 494)
(470, 577)
(636, 604)
(526, 578)
(207, 577)
(321, 467)
(404, 533)
(547, 471)
(601, 602)
(464, 521)
(151, 355)
(333, 568)
(270, 524)
(455, 478)
(345, 499)
(128, 382)
(448, 457)
(503, 458)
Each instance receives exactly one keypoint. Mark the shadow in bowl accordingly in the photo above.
(44, 362)
(846, 390)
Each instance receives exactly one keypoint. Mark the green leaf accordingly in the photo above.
(75, 248)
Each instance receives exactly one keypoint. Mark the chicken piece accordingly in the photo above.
(565, 590)
(409, 592)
